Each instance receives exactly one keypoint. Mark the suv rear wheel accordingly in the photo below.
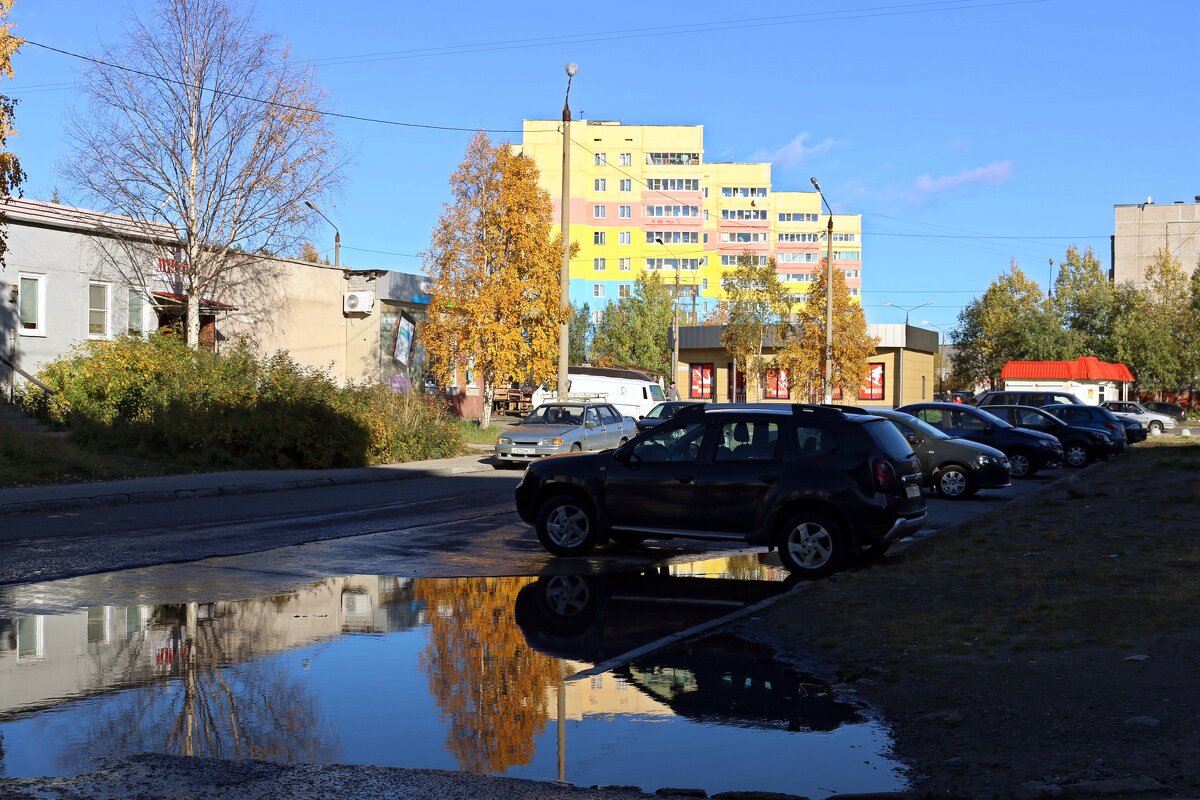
(811, 545)
(566, 525)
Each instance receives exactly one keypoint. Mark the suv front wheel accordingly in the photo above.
(566, 525)
(811, 545)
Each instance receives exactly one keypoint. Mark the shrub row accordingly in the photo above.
(160, 399)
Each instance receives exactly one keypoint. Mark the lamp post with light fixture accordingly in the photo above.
(828, 388)
(564, 276)
(337, 235)
(903, 344)
(675, 318)
(941, 361)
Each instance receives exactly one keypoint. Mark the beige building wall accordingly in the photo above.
(1142, 229)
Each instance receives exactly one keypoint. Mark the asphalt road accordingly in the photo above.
(232, 547)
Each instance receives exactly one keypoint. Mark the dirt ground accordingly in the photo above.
(1048, 650)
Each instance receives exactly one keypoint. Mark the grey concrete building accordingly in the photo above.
(1142, 229)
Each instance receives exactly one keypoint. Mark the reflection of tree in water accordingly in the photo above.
(193, 700)
(490, 685)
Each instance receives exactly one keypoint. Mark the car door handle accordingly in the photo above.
(685, 478)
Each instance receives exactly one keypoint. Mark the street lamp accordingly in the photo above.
(904, 343)
(941, 360)
(564, 275)
(337, 235)
(828, 297)
(675, 318)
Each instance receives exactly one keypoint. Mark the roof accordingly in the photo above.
(57, 215)
(1084, 368)
(607, 372)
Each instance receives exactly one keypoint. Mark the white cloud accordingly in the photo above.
(794, 153)
(993, 174)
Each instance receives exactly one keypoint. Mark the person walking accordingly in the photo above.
(672, 392)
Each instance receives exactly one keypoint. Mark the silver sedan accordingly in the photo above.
(564, 428)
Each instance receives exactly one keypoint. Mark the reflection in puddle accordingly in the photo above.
(478, 674)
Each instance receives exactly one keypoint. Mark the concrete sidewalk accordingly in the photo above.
(214, 484)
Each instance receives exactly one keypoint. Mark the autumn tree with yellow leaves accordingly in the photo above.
(493, 265)
(11, 174)
(803, 354)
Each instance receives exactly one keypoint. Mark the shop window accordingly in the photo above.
(873, 386)
(776, 387)
(701, 383)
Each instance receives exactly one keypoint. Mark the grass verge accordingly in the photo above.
(28, 459)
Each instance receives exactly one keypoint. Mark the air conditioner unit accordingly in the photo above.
(357, 302)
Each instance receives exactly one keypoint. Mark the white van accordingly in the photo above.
(633, 397)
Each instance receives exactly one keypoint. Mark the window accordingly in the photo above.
(845, 255)
(625, 212)
(598, 264)
(853, 291)
(872, 388)
(97, 309)
(601, 160)
(609, 415)
(743, 191)
(31, 637)
(626, 159)
(791, 217)
(732, 261)
(671, 263)
(597, 290)
(599, 184)
(742, 237)
(31, 305)
(777, 385)
(799, 237)
(852, 273)
(673, 184)
(673, 159)
(625, 237)
(845, 237)
(705, 285)
(747, 441)
(799, 258)
(626, 185)
(599, 212)
(672, 211)
(623, 290)
(743, 213)
(624, 264)
(137, 314)
(701, 384)
(673, 237)
(671, 443)
(813, 442)
(598, 237)
(597, 316)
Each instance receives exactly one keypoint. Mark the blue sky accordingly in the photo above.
(1025, 121)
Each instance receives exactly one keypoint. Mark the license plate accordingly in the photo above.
(522, 451)
(912, 490)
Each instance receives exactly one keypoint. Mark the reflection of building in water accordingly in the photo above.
(604, 695)
(44, 659)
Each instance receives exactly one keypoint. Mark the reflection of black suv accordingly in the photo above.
(1080, 444)
(818, 483)
(1023, 398)
(1027, 451)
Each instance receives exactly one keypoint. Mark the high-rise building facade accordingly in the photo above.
(1141, 230)
(643, 198)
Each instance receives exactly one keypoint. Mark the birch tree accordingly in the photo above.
(206, 126)
(758, 312)
(11, 174)
(494, 269)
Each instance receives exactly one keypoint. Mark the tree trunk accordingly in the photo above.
(489, 394)
(193, 320)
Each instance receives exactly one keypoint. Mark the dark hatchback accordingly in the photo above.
(1027, 451)
(1081, 445)
(954, 468)
(818, 483)
(1094, 417)
(1173, 410)
(664, 410)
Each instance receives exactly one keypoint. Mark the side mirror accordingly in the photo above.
(621, 454)
(643, 416)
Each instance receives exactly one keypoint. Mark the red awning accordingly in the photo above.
(1085, 368)
(171, 298)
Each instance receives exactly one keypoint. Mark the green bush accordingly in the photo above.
(158, 398)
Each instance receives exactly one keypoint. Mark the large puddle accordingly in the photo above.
(487, 675)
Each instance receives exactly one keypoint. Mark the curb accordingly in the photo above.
(232, 490)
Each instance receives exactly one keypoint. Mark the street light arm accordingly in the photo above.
(309, 203)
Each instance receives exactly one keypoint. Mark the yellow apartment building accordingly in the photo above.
(643, 198)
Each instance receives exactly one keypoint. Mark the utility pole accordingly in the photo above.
(828, 388)
(564, 276)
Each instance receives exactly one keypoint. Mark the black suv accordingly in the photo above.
(819, 483)
(1096, 418)
(1027, 451)
(1017, 397)
(1081, 444)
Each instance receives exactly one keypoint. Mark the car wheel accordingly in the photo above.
(1019, 465)
(567, 603)
(952, 482)
(566, 525)
(577, 448)
(1156, 428)
(811, 545)
(1076, 455)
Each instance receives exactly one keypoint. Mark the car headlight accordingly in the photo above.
(552, 441)
(1049, 443)
(504, 440)
(984, 458)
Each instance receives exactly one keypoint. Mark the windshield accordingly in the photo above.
(656, 392)
(555, 415)
(658, 412)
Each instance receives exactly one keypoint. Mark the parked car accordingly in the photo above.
(1134, 431)
(662, 411)
(1026, 398)
(632, 396)
(1173, 410)
(1027, 451)
(1152, 421)
(1094, 417)
(954, 468)
(556, 428)
(817, 483)
(1081, 445)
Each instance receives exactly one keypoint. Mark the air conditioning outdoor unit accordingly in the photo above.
(357, 302)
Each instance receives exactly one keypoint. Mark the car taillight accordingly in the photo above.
(1112, 426)
(885, 474)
